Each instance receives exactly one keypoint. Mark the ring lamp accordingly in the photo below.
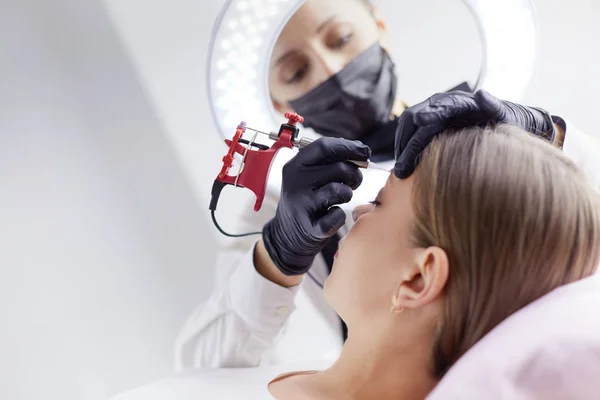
(245, 33)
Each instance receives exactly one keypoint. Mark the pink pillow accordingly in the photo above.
(548, 350)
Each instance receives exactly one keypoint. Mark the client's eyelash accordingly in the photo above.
(375, 202)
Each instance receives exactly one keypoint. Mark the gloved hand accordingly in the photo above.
(420, 124)
(314, 181)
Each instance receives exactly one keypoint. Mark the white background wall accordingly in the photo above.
(105, 244)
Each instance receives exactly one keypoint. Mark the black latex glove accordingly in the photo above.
(420, 124)
(314, 181)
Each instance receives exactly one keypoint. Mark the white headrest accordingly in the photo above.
(548, 350)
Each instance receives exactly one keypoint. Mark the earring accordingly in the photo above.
(396, 310)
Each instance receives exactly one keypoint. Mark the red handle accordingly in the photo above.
(257, 163)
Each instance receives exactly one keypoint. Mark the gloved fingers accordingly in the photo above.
(429, 101)
(329, 150)
(491, 106)
(542, 124)
(452, 106)
(332, 194)
(409, 158)
(405, 130)
(330, 223)
(340, 171)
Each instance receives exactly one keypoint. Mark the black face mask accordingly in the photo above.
(356, 101)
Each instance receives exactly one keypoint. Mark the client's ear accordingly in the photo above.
(424, 281)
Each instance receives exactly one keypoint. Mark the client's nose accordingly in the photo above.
(361, 210)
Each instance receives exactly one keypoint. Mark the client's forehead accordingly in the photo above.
(394, 182)
(399, 191)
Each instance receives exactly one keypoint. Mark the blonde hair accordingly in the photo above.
(516, 218)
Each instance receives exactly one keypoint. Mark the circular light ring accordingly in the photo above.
(245, 33)
(241, 44)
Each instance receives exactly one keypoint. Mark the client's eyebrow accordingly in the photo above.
(391, 177)
(288, 54)
(379, 195)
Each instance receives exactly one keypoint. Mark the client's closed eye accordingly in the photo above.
(377, 201)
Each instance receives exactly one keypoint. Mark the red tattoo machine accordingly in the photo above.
(253, 171)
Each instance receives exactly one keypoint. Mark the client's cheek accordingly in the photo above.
(358, 224)
(367, 229)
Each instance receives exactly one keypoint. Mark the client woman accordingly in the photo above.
(491, 220)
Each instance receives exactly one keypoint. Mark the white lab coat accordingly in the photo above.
(250, 321)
